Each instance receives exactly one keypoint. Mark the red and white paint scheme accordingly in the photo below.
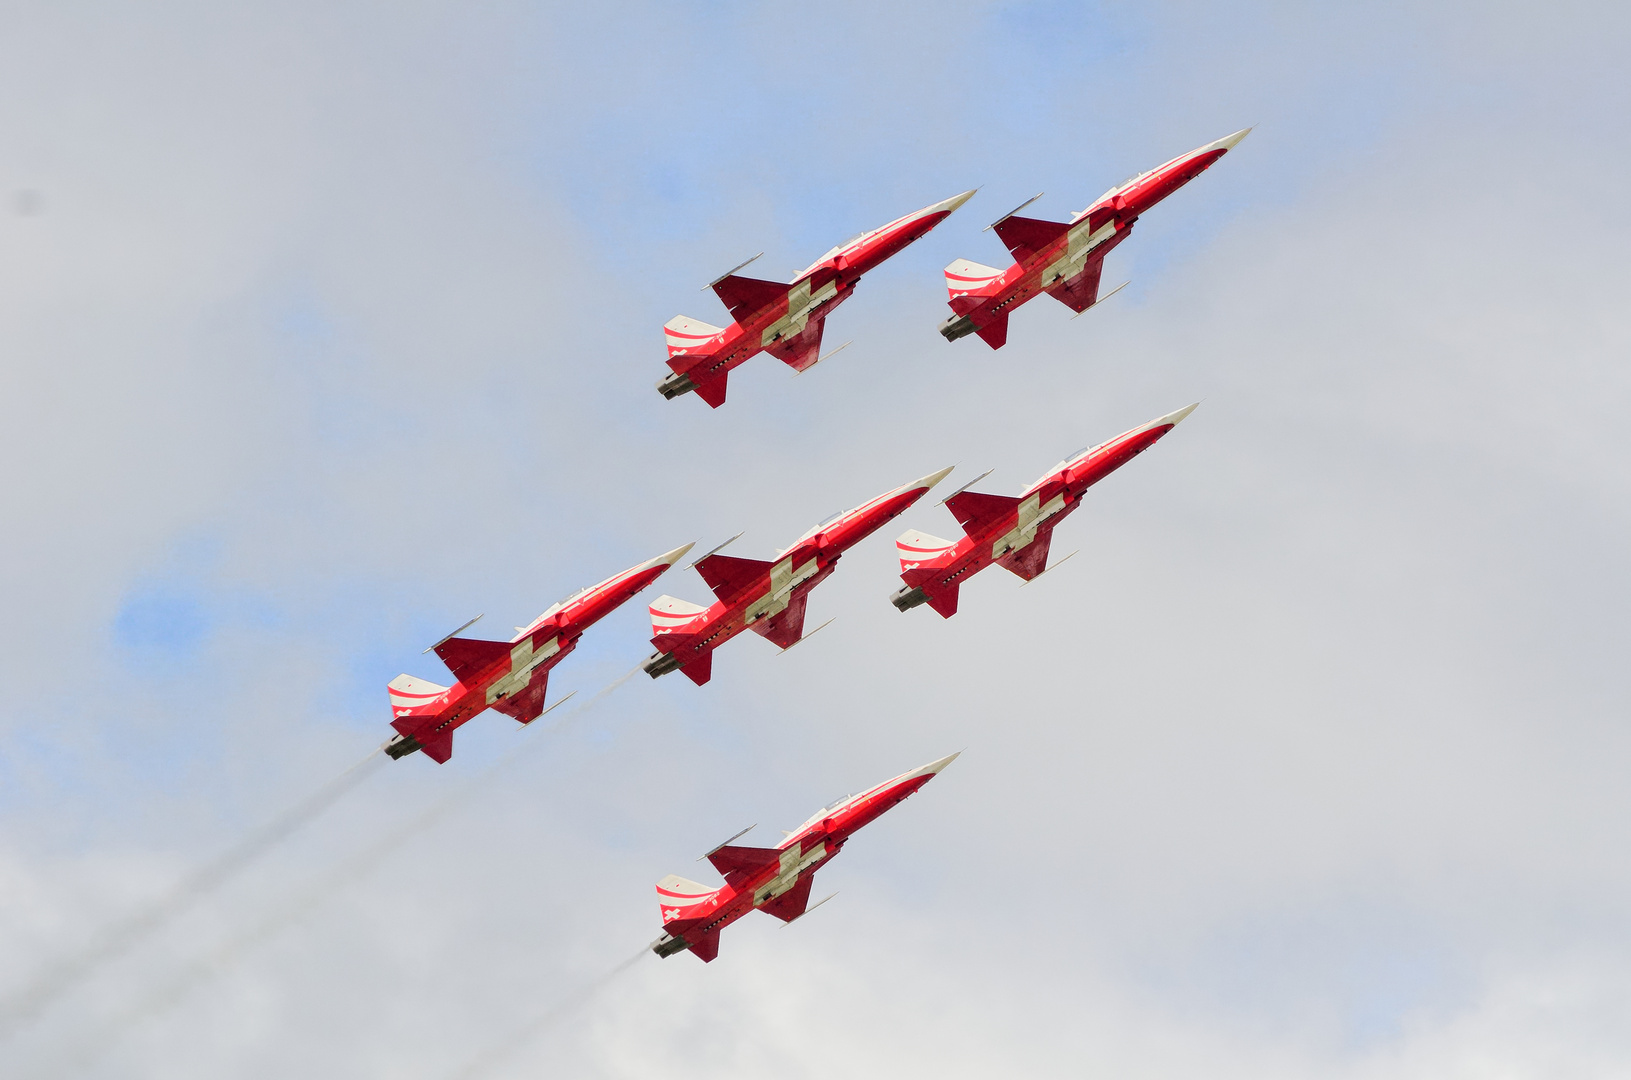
(783, 319)
(774, 880)
(510, 676)
(1062, 259)
(1012, 531)
(766, 597)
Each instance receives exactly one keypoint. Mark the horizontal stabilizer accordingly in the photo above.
(685, 334)
(711, 390)
(917, 548)
(437, 747)
(976, 511)
(727, 575)
(747, 296)
(706, 947)
(669, 613)
(943, 600)
(964, 276)
(734, 862)
(701, 669)
(790, 904)
(995, 332)
(469, 657)
(1027, 236)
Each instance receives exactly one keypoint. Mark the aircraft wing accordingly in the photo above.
(746, 296)
(527, 705)
(784, 628)
(734, 862)
(469, 656)
(974, 511)
(803, 349)
(1032, 559)
(1026, 236)
(727, 576)
(1082, 291)
(790, 904)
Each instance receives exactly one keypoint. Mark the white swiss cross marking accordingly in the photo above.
(1031, 517)
(670, 913)
(783, 580)
(800, 305)
(1080, 241)
(523, 658)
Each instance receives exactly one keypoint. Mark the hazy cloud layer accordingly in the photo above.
(324, 330)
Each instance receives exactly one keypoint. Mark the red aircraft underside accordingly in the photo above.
(781, 318)
(1012, 531)
(775, 880)
(510, 676)
(766, 597)
(1062, 259)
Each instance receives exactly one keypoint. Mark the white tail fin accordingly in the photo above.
(670, 613)
(686, 335)
(964, 276)
(917, 548)
(409, 695)
(679, 897)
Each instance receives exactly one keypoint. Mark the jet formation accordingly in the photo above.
(774, 880)
(786, 319)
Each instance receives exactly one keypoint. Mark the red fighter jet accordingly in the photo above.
(1062, 259)
(1012, 531)
(510, 676)
(783, 319)
(775, 880)
(768, 597)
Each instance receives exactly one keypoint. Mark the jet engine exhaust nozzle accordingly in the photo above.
(957, 326)
(674, 384)
(401, 746)
(668, 945)
(908, 598)
(659, 664)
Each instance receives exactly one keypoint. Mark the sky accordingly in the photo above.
(324, 327)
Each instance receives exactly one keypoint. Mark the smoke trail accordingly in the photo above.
(91, 1047)
(486, 1061)
(118, 938)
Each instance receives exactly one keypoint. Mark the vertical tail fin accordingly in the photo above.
(687, 335)
(916, 548)
(684, 904)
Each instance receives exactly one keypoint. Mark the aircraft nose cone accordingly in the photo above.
(929, 481)
(946, 206)
(669, 558)
(1175, 417)
(936, 766)
(1228, 142)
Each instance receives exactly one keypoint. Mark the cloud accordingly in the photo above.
(330, 329)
